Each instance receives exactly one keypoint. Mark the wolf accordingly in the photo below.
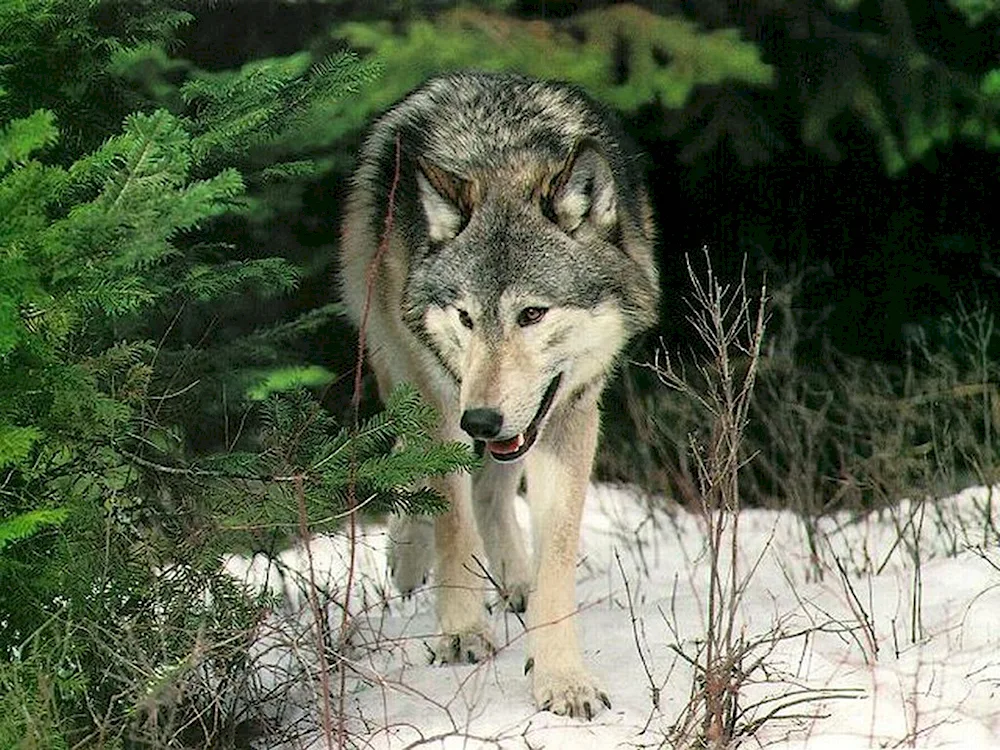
(497, 248)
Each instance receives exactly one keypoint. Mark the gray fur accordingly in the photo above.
(471, 124)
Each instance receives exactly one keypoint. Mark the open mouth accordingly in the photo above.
(513, 448)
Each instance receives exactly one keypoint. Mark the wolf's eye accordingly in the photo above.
(465, 319)
(531, 315)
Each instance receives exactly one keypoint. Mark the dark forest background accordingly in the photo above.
(852, 139)
(844, 150)
(176, 376)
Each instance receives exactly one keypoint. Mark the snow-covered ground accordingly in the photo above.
(887, 636)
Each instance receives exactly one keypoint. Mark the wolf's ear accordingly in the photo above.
(585, 191)
(442, 196)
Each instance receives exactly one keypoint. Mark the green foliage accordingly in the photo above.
(57, 56)
(268, 277)
(243, 110)
(85, 247)
(911, 101)
(27, 524)
(20, 138)
(28, 713)
(287, 379)
(975, 11)
(991, 84)
(870, 64)
(145, 654)
(308, 463)
(667, 56)
(16, 443)
(117, 626)
(387, 454)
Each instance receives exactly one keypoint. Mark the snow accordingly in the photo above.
(889, 634)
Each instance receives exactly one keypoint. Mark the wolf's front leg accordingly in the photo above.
(494, 491)
(558, 470)
(461, 604)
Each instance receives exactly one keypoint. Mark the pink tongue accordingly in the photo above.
(506, 446)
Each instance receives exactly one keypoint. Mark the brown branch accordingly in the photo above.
(318, 612)
(370, 277)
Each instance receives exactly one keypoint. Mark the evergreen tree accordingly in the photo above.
(115, 622)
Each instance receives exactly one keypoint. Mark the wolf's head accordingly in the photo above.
(528, 285)
(518, 249)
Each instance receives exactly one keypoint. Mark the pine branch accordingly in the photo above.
(28, 524)
(20, 138)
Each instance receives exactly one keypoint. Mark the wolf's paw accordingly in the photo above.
(462, 648)
(411, 552)
(570, 692)
(515, 597)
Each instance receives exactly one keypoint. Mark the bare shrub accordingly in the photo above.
(727, 662)
(725, 320)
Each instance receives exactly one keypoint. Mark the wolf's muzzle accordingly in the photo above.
(515, 447)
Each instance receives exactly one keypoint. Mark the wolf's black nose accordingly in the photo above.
(482, 424)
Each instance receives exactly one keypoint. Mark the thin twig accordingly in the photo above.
(318, 612)
(372, 272)
(654, 690)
